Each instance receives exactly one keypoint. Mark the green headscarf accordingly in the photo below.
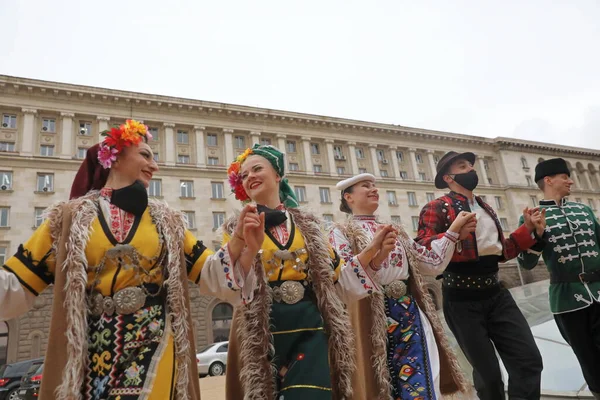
(276, 158)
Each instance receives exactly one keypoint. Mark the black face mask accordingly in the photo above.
(272, 217)
(132, 198)
(468, 180)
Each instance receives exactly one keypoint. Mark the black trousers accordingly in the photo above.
(497, 321)
(581, 329)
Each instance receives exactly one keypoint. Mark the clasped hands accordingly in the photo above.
(535, 220)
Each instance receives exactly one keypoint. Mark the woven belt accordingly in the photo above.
(396, 289)
(470, 282)
(290, 292)
(125, 301)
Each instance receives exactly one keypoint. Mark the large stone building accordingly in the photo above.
(46, 128)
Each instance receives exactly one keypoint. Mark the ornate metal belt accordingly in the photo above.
(289, 292)
(396, 289)
(125, 301)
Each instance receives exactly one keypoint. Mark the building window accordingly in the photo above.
(391, 197)
(499, 204)
(85, 128)
(154, 133)
(534, 201)
(291, 146)
(187, 188)
(592, 204)
(183, 137)
(217, 190)
(3, 342)
(9, 121)
(240, 142)
(38, 216)
(213, 160)
(3, 250)
(328, 220)
(341, 170)
(484, 198)
(415, 223)
(490, 181)
(81, 152)
(396, 220)
(218, 220)
(222, 315)
(190, 216)
(384, 173)
(419, 158)
(49, 125)
(400, 156)
(504, 224)
(4, 217)
(324, 194)
(486, 165)
(422, 176)
(211, 140)
(314, 148)
(412, 199)
(403, 174)
(45, 183)
(155, 188)
(6, 178)
(183, 159)
(47, 150)
(300, 193)
(265, 142)
(529, 180)
(380, 155)
(7, 146)
(156, 156)
(360, 153)
(317, 168)
(430, 196)
(577, 199)
(338, 153)
(524, 162)
(436, 159)
(294, 166)
(362, 170)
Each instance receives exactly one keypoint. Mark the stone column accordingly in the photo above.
(308, 164)
(331, 157)
(66, 144)
(413, 162)
(27, 138)
(431, 163)
(395, 164)
(200, 147)
(169, 143)
(597, 176)
(587, 180)
(575, 178)
(352, 155)
(103, 125)
(374, 161)
(228, 139)
(281, 145)
(484, 175)
(255, 136)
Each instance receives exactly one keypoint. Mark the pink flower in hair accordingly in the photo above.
(107, 155)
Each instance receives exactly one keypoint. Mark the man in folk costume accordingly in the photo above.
(402, 351)
(293, 339)
(120, 264)
(571, 252)
(481, 313)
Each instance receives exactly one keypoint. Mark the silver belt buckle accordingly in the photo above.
(125, 301)
(290, 292)
(396, 289)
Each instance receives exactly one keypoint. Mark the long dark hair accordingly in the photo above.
(344, 207)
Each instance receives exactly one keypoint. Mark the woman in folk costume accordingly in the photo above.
(292, 339)
(119, 263)
(402, 352)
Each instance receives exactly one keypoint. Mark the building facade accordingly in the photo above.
(46, 128)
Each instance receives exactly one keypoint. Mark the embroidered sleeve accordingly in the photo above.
(356, 280)
(435, 261)
(33, 263)
(195, 256)
(226, 281)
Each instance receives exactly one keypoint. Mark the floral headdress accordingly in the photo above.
(276, 158)
(130, 133)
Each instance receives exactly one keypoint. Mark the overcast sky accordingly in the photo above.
(528, 69)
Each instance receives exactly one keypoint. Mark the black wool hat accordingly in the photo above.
(551, 167)
(444, 164)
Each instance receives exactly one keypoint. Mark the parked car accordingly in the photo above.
(212, 359)
(10, 377)
(30, 383)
